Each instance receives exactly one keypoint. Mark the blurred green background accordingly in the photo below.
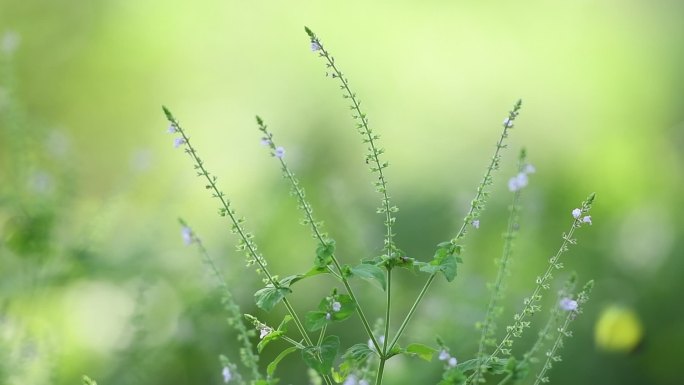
(94, 277)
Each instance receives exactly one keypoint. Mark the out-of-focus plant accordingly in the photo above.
(362, 362)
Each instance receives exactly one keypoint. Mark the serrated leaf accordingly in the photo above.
(422, 351)
(357, 353)
(321, 358)
(269, 296)
(324, 253)
(315, 320)
(371, 273)
(270, 369)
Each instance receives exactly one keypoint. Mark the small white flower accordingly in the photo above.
(336, 306)
(279, 152)
(576, 213)
(315, 46)
(227, 375)
(452, 362)
(476, 223)
(264, 332)
(568, 304)
(178, 142)
(444, 355)
(587, 219)
(265, 141)
(186, 233)
(508, 123)
(350, 380)
(328, 316)
(529, 169)
(172, 129)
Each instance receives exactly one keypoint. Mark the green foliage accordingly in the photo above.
(321, 356)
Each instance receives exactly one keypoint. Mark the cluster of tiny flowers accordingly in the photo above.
(450, 361)
(568, 304)
(508, 123)
(519, 181)
(177, 142)
(336, 306)
(576, 213)
(227, 375)
(186, 233)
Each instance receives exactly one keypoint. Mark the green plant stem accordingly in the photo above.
(388, 312)
(237, 226)
(381, 369)
(412, 310)
(318, 234)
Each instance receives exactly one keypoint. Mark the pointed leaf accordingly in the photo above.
(274, 364)
(371, 273)
(321, 358)
(269, 296)
(423, 351)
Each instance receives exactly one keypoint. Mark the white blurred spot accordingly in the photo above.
(644, 239)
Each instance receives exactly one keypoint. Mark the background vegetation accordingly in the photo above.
(94, 277)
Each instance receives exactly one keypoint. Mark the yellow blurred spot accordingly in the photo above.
(618, 329)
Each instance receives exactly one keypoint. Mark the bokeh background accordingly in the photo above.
(94, 276)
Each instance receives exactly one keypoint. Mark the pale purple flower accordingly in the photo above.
(508, 123)
(178, 142)
(576, 213)
(452, 362)
(315, 46)
(518, 182)
(328, 316)
(265, 141)
(186, 233)
(476, 223)
(568, 304)
(279, 152)
(444, 355)
(587, 219)
(350, 380)
(336, 306)
(529, 169)
(227, 375)
(172, 129)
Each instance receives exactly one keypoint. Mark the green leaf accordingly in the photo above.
(272, 366)
(324, 253)
(423, 351)
(321, 358)
(315, 320)
(283, 324)
(371, 273)
(272, 336)
(444, 261)
(291, 279)
(269, 296)
(357, 353)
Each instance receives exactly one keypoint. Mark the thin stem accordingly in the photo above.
(237, 226)
(374, 151)
(387, 313)
(511, 230)
(381, 369)
(318, 234)
(412, 310)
